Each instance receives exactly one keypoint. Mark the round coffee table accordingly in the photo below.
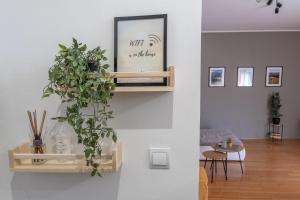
(233, 149)
(215, 156)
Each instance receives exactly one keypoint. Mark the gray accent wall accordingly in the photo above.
(244, 110)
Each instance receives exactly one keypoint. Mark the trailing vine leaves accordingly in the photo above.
(86, 93)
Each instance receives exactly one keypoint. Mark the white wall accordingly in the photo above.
(30, 32)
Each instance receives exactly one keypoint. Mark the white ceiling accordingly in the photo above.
(248, 15)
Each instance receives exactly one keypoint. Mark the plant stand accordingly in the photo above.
(276, 132)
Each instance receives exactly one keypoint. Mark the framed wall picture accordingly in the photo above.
(216, 77)
(274, 76)
(140, 46)
(245, 76)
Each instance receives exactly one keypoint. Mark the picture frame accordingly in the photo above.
(274, 76)
(245, 76)
(140, 45)
(216, 77)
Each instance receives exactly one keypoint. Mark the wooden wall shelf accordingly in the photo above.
(20, 160)
(170, 75)
(144, 89)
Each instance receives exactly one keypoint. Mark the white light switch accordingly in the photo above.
(159, 158)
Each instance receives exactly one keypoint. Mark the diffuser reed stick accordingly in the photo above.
(42, 123)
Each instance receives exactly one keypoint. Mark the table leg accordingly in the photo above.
(241, 163)
(216, 166)
(226, 165)
(205, 163)
(225, 171)
(212, 171)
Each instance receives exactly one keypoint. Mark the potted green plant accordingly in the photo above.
(79, 76)
(275, 107)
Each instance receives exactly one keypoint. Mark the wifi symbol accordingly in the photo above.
(153, 39)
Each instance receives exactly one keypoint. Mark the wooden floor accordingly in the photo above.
(272, 172)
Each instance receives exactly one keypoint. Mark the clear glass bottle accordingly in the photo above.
(63, 138)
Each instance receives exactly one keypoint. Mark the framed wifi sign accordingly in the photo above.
(140, 46)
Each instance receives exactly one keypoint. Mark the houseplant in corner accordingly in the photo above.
(275, 107)
(79, 76)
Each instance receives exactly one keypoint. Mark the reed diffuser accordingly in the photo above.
(38, 146)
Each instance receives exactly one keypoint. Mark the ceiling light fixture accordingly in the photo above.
(270, 2)
(278, 6)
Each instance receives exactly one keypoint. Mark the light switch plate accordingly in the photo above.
(159, 158)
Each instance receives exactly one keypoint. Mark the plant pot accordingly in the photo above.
(276, 120)
(92, 67)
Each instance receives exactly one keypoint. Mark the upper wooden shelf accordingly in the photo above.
(170, 75)
(20, 160)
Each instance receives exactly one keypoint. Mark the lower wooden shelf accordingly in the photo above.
(20, 160)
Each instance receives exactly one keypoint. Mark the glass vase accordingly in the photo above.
(38, 147)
